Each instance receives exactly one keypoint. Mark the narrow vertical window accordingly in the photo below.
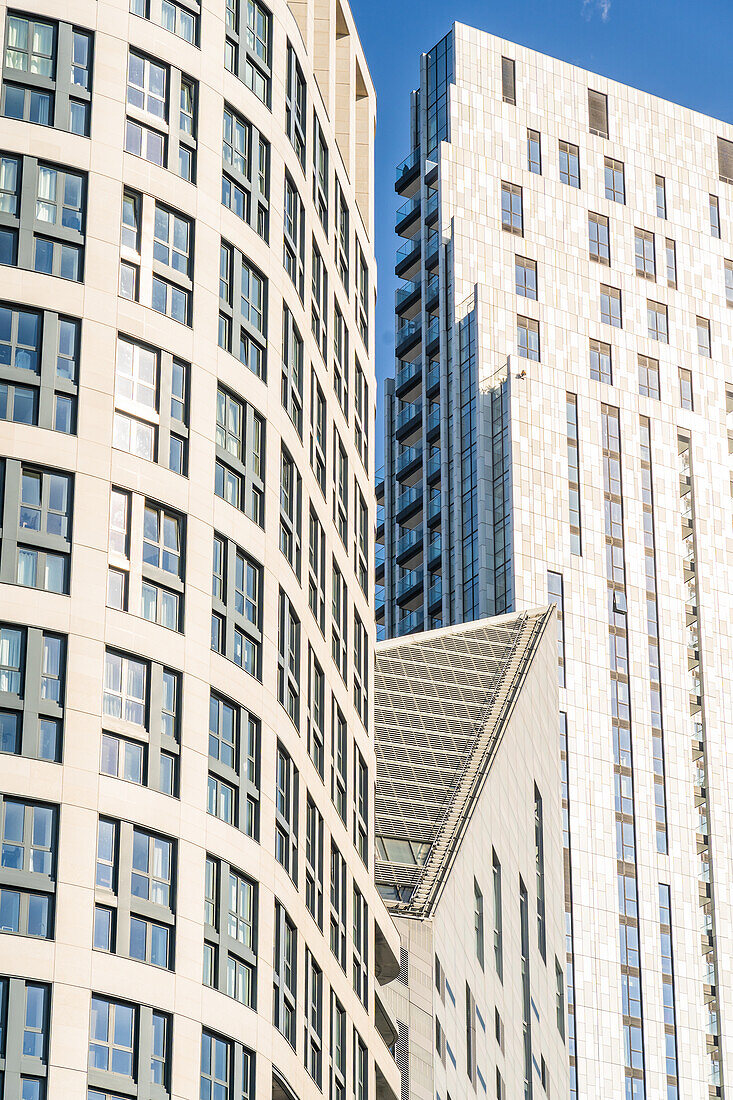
(539, 851)
(478, 922)
(555, 595)
(508, 81)
(573, 473)
(498, 922)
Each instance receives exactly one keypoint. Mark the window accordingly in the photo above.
(573, 473)
(143, 926)
(725, 160)
(148, 382)
(686, 401)
(39, 353)
(600, 362)
(555, 594)
(47, 73)
(648, 377)
(118, 1031)
(243, 310)
(361, 669)
(36, 547)
(341, 245)
(729, 282)
(313, 1031)
(471, 1036)
(339, 751)
(337, 1050)
(240, 456)
(248, 45)
(528, 338)
(141, 712)
(610, 305)
(525, 277)
(155, 129)
(289, 659)
(361, 538)
(362, 295)
(361, 806)
(316, 710)
(478, 922)
(314, 861)
(25, 1014)
(230, 932)
(285, 975)
(294, 236)
(670, 253)
(163, 567)
(534, 152)
(714, 209)
(337, 923)
(234, 765)
(319, 301)
(512, 218)
(237, 606)
(32, 689)
(656, 314)
(29, 833)
(569, 164)
(508, 80)
(320, 172)
(703, 337)
(644, 251)
(245, 182)
(614, 180)
(598, 239)
(224, 1062)
(286, 812)
(598, 113)
(291, 393)
(295, 106)
(539, 847)
(361, 414)
(340, 358)
(291, 485)
(172, 257)
(660, 188)
(339, 610)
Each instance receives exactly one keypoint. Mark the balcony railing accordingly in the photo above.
(434, 506)
(407, 412)
(411, 537)
(435, 592)
(407, 165)
(408, 496)
(433, 375)
(433, 331)
(434, 417)
(407, 371)
(433, 243)
(406, 250)
(406, 456)
(404, 292)
(409, 579)
(407, 328)
(433, 463)
(432, 204)
(407, 208)
(415, 620)
(434, 547)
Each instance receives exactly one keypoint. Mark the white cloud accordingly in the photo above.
(602, 7)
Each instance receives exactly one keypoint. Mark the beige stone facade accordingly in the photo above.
(134, 437)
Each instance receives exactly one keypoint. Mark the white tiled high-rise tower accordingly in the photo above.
(187, 904)
(560, 426)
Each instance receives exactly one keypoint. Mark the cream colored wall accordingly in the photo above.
(68, 961)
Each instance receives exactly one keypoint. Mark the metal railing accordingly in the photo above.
(406, 166)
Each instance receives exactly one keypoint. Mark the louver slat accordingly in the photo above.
(508, 89)
(725, 160)
(597, 113)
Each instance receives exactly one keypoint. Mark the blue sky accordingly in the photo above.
(677, 49)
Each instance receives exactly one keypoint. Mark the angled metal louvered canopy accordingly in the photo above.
(442, 701)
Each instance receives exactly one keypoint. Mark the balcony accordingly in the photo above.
(431, 291)
(409, 418)
(414, 620)
(407, 260)
(432, 332)
(407, 219)
(407, 298)
(434, 418)
(434, 464)
(408, 583)
(433, 377)
(409, 543)
(408, 502)
(407, 374)
(407, 340)
(434, 507)
(407, 174)
(432, 249)
(431, 207)
(407, 457)
(434, 548)
(435, 592)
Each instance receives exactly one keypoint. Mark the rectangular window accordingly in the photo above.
(599, 246)
(644, 252)
(291, 486)
(361, 669)
(341, 246)
(660, 190)
(703, 337)
(657, 325)
(508, 81)
(338, 906)
(288, 677)
(361, 806)
(245, 184)
(39, 352)
(32, 682)
(36, 548)
(240, 455)
(340, 487)
(285, 975)
(320, 172)
(147, 382)
(498, 918)
(339, 751)
(555, 595)
(611, 305)
(319, 300)
(534, 152)
(314, 861)
(725, 160)
(649, 377)
(598, 113)
(47, 73)
(291, 393)
(600, 362)
(361, 538)
(294, 236)
(318, 430)
(686, 400)
(573, 473)
(360, 940)
(234, 765)
(512, 217)
(729, 282)
(313, 1030)
(528, 338)
(569, 164)
(237, 606)
(670, 252)
(295, 106)
(614, 180)
(478, 922)
(230, 932)
(361, 414)
(714, 211)
(340, 358)
(339, 618)
(337, 1050)
(248, 46)
(539, 848)
(316, 711)
(525, 277)
(29, 839)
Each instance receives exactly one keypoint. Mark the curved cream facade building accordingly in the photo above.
(186, 392)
